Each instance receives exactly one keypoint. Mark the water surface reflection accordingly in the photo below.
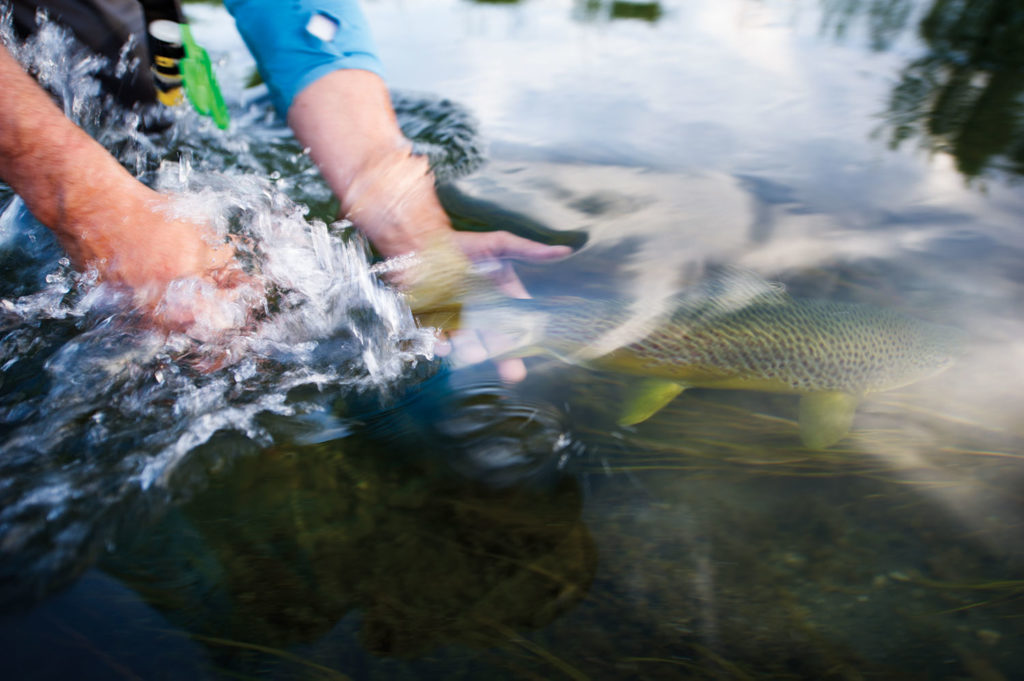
(964, 96)
(469, 531)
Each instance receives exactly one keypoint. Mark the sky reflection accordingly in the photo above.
(675, 136)
(772, 135)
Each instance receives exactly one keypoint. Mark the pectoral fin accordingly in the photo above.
(647, 397)
(826, 417)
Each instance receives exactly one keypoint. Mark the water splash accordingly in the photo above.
(101, 419)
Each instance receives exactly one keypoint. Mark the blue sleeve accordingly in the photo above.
(293, 44)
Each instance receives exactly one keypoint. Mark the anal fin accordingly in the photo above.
(826, 417)
(647, 397)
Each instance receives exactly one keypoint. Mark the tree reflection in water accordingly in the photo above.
(886, 19)
(964, 97)
(594, 10)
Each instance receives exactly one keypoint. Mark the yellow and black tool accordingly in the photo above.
(179, 64)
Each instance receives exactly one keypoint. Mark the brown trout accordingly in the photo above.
(734, 331)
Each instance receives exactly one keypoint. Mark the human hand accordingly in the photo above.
(179, 273)
(346, 120)
(491, 252)
(396, 206)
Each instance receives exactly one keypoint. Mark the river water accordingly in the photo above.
(337, 502)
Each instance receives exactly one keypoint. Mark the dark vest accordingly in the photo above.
(105, 27)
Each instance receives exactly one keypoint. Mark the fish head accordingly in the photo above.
(928, 350)
(943, 346)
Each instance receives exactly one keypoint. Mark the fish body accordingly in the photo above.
(794, 346)
(734, 331)
(830, 353)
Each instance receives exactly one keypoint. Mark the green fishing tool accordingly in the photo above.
(200, 83)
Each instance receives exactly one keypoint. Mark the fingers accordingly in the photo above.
(520, 248)
(470, 347)
(504, 277)
(502, 245)
(511, 370)
(203, 306)
(489, 250)
(467, 348)
(234, 284)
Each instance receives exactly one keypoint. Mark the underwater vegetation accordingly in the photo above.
(341, 506)
(277, 550)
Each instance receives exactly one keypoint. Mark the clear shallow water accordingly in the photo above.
(336, 503)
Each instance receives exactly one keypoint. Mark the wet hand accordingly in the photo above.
(346, 120)
(109, 221)
(491, 251)
(180, 274)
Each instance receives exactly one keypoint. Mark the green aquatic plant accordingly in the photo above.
(303, 537)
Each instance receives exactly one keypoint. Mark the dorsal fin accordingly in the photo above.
(733, 285)
(725, 291)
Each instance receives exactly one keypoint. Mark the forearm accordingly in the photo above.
(319, 62)
(346, 120)
(102, 216)
(51, 163)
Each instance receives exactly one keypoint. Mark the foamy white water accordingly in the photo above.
(98, 412)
